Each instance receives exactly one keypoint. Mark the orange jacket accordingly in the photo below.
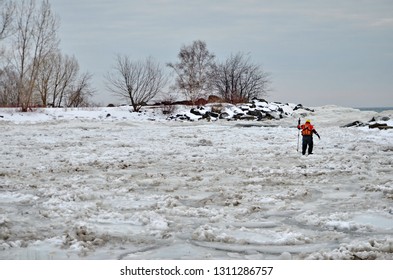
(307, 129)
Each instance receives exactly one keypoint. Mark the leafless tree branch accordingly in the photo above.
(238, 80)
(138, 81)
(193, 71)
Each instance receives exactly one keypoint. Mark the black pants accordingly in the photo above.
(307, 141)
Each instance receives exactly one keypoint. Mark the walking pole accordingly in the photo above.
(298, 136)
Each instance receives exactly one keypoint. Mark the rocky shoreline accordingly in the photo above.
(256, 110)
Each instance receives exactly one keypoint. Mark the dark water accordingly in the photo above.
(375, 109)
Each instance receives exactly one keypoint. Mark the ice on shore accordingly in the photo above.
(105, 183)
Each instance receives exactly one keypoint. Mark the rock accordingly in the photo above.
(224, 115)
(247, 118)
(195, 112)
(256, 113)
(210, 116)
(257, 109)
(214, 115)
(355, 124)
(238, 116)
(380, 126)
(376, 125)
(300, 106)
(275, 115)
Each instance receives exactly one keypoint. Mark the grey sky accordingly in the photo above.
(318, 52)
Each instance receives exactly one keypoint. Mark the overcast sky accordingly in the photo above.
(317, 52)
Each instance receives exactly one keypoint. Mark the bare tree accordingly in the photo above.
(36, 70)
(7, 9)
(194, 70)
(58, 74)
(8, 77)
(238, 80)
(35, 40)
(8, 88)
(66, 75)
(80, 92)
(138, 81)
(45, 78)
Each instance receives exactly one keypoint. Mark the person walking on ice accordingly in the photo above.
(307, 132)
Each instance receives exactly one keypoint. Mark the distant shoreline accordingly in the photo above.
(375, 109)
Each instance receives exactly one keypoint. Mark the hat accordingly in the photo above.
(308, 121)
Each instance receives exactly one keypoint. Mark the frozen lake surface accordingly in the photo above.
(85, 185)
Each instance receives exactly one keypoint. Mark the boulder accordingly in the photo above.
(355, 124)
(224, 115)
(256, 113)
(196, 112)
(300, 106)
(379, 126)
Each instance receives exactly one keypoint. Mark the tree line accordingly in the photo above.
(33, 70)
(197, 76)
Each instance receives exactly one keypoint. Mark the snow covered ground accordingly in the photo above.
(105, 183)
